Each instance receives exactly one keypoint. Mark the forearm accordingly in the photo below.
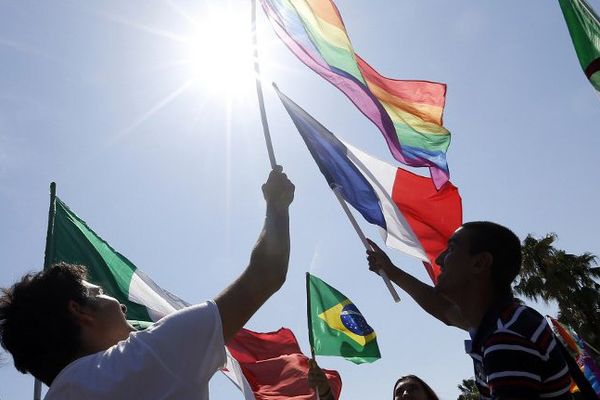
(270, 256)
(427, 297)
(264, 275)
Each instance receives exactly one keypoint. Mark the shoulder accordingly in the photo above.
(69, 382)
(520, 324)
(194, 319)
(203, 313)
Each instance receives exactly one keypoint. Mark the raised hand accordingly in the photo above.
(278, 190)
(318, 381)
(378, 259)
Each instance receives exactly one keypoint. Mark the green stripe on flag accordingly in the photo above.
(337, 326)
(75, 243)
(584, 27)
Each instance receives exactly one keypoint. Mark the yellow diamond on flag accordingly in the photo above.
(346, 318)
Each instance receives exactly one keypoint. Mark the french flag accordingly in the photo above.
(411, 214)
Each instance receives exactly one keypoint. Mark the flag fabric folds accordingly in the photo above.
(412, 215)
(275, 366)
(584, 27)
(407, 112)
(581, 352)
(72, 241)
(336, 326)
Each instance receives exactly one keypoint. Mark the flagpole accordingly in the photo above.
(591, 347)
(309, 320)
(259, 92)
(361, 235)
(48, 256)
(49, 251)
(309, 316)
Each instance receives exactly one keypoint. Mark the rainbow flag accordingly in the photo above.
(581, 352)
(407, 112)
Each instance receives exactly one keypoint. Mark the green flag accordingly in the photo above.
(72, 241)
(584, 27)
(336, 327)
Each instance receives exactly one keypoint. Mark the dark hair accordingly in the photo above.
(503, 245)
(429, 391)
(35, 324)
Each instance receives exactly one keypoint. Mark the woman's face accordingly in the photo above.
(409, 389)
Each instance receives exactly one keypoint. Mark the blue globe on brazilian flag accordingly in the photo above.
(337, 328)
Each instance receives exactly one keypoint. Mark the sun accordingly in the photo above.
(212, 55)
(219, 52)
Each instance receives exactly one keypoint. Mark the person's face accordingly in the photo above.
(409, 389)
(454, 263)
(105, 319)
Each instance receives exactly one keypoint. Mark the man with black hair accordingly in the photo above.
(70, 335)
(515, 355)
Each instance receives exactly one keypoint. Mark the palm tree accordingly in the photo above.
(551, 274)
(468, 390)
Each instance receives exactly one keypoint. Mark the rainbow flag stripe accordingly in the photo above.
(579, 349)
(407, 112)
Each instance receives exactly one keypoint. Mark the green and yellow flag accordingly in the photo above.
(336, 327)
(584, 27)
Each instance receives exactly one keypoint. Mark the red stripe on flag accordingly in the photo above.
(592, 68)
(433, 215)
(422, 92)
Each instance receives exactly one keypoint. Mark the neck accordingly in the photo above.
(474, 304)
(52, 368)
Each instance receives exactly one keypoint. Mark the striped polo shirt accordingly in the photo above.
(515, 355)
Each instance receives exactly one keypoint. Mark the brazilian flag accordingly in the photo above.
(336, 327)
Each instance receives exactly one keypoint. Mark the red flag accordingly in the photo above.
(275, 367)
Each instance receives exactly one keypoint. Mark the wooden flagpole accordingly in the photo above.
(363, 239)
(259, 92)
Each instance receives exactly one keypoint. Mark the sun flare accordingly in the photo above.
(220, 53)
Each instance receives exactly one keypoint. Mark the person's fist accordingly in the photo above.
(317, 379)
(377, 259)
(278, 190)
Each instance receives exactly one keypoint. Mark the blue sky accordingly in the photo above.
(166, 164)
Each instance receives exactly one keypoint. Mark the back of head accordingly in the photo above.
(35, 324)
(413, 378)
(503, 245)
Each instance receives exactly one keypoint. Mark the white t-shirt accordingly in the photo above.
(173, 359)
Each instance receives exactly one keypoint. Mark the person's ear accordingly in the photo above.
(483, 262)
(80, 313)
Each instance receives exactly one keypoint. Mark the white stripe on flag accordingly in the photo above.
(234, 372)
(381, 176)
(160, 302)
(140, 292)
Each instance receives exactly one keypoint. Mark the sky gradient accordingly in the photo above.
(168, 170)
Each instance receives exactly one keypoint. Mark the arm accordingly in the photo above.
(425, 295)
(268, 265)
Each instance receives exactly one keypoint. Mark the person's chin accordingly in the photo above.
(444, 289)
(130, 327)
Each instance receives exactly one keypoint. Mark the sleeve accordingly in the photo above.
(189, 342)
(513, 366)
